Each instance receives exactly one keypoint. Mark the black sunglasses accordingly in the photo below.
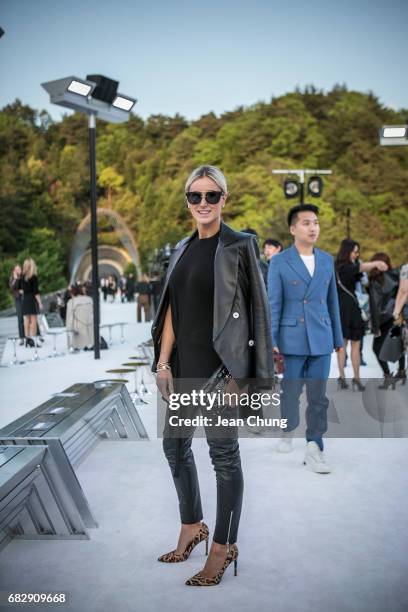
(211, 197)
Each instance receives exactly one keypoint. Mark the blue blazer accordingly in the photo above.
(304, 309)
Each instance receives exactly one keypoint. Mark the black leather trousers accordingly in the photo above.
(225, 457)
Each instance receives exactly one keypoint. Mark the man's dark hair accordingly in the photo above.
(295, 210)
(272, 242)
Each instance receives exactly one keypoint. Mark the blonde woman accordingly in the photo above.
(213, 311)
(31, 299)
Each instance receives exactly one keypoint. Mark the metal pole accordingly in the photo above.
(302, 186)
(94, 232)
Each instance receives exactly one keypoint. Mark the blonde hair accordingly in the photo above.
(29, 268)
(212, 172)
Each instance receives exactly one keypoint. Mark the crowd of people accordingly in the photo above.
(146, 291)
(75, 304)
(75, 307)
(367, 293)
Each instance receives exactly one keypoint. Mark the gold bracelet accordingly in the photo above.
(162, 366)
(160, 363)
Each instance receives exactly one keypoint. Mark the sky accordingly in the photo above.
(192, 57)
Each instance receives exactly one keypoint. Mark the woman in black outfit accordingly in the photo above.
(383, 290)
(31, 300)
(348, 271)
(213, 310)
(15, 284)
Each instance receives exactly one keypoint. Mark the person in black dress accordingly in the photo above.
(15, 284)
(31, 299)
(348, 271)
(201, 287)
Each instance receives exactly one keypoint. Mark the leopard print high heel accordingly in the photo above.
(200, 580)
(173, 557)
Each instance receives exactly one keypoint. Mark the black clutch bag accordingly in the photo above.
(218, 380)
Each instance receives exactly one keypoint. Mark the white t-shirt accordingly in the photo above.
(309, 261)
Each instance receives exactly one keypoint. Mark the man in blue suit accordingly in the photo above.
(306, 328)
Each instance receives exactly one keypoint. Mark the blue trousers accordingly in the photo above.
(314, 372)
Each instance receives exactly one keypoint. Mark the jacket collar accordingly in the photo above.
(227, 236)
(297, 264)
(299, 267)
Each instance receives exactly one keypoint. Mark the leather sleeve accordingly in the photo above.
(261, 326)
(374, 292)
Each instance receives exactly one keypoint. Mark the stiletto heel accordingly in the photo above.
(358, 384)
(173, 557)
(341, 383)
(400, 375)
(389, 381)
(200, 580)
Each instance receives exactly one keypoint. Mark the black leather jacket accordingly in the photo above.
(382, 299)
(241, 327)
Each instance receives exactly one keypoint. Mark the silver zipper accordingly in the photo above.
(229, 529)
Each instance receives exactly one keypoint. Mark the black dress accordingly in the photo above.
(351, 322)
(30, 290)
(191, 292)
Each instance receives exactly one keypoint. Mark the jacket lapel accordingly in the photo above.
(318, 272)
(177, 254)
(296, 263)
(225, 278)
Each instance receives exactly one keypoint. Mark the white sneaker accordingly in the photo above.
(285, 444)
(314, 459)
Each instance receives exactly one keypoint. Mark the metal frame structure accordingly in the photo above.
(35, 503)
(72, 422)
(83, 238)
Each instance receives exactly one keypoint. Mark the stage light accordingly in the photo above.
(70, 92)
(291, 188)
(124, 103)
(80, 88)
(391, 135)
(315, 186)
(93, 96)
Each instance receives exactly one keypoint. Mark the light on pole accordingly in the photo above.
(293, 188)
(97, 97)
(393, 135)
